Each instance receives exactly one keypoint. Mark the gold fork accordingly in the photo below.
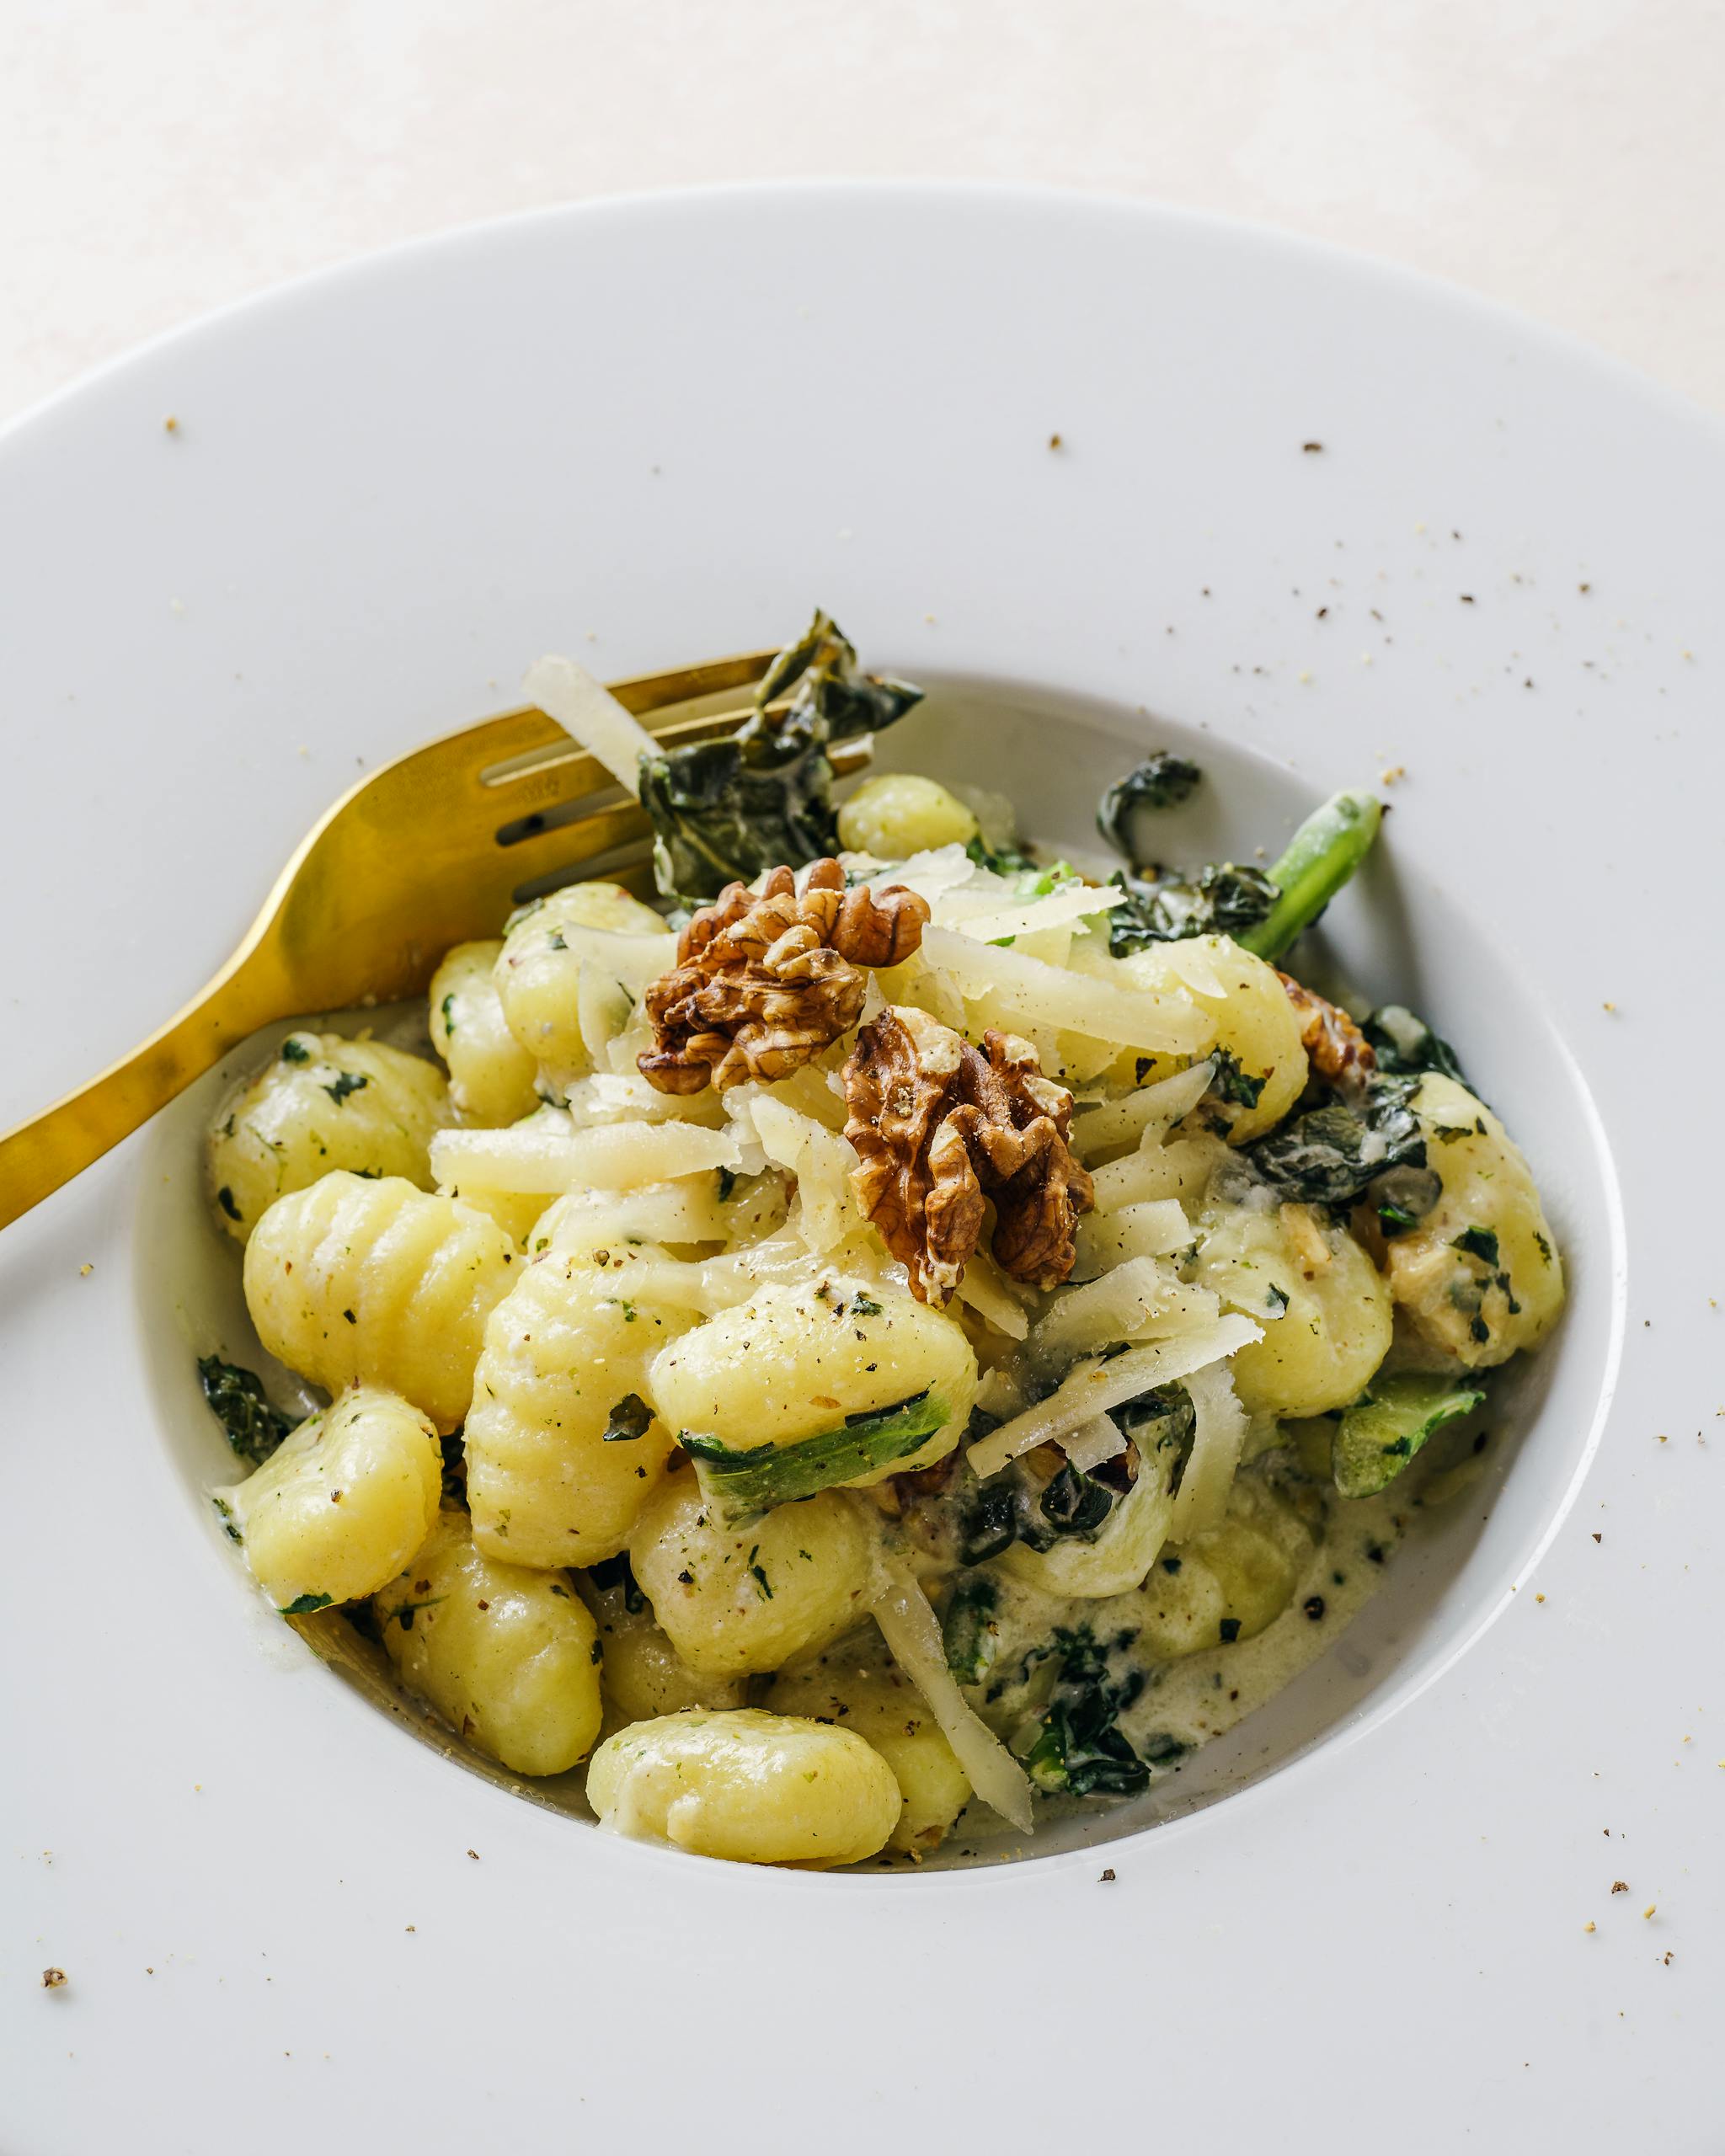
(431, 849)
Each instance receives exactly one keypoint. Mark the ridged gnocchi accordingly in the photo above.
(356, 1282)
(753, 1787)
(733, 1600)
(509, 1657)
(1479, 1277)
(563, 1446)
(322, 1102)
(490, 1073)
(342, 1503)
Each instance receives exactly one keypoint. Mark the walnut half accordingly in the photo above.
(1335, 1048)
(939, 1128)
(763, 985)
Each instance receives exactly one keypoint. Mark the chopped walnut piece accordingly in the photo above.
(941, 1127)
(1337, 1049)
(763, 985)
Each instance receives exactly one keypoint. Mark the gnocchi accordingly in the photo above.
(877, 1703)
(342, 1503)
(595, 928)
(562, 1450)
(507, 1654)
(491, 1076)
(322, 1103)
(736, 1600)
(358, 1281)
(753, 1787)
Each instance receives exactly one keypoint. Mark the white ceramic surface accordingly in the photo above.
(386, 490)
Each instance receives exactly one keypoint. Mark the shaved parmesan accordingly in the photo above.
(1155, 1227)
(1143, 1117)
(602, 1007)
(820, 1161)
(1143, 1295)
(912, 1633)
(984, 1287)
(688, 1211)
(1179, 1171)
(1094, 1387)
(546, 1153)
(1027, 988)
(1092, 1442)
(586, 709)
(986, 919)
(1202, 1498)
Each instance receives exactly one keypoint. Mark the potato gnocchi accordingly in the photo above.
(927, 1343)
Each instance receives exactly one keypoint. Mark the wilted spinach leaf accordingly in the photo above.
(1223, 900)
(255, 1428)
(1162, 781)
(763, 798)
(1080, 1750)
(1404, 1043)
(1329, 1155)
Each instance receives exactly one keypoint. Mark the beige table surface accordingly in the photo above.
(161, 157)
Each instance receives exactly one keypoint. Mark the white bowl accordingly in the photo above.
(672, 425)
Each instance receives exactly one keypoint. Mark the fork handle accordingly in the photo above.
(36, 1157)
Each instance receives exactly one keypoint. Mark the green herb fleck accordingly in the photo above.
(224, 1198)
(865, 1306)
(294, 1050)
(255, 1428)
(1478, 1242)
(303, 1605)
(448, 1010)
(347, 1081)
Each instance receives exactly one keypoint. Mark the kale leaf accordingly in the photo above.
(1164, 781)
(1329, 1155)
(1080, 1751)
(969, 1632)
(1404, 1044)
(999, 861)
(1232, 1082)
(1223, 900)
(236, 1396)
(630, 1419)
(761, 799)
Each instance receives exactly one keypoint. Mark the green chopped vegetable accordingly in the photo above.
(1331, 1156)
(1228, 900)
(1078, 1750)
(224, 1198)
(294, 1050)
(1381, 1433)
(1478, 1242)
(762, 798)
(236, 1396)
(744, 1483)
(346, 1082)
(969, 1632)
(1232, 1083)
(1320, 856)
(630, 1419)
(1404, 1043)
(303, 1605)
(1002, 861)
(1164, 781)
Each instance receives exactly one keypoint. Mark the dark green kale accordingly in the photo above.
(224, 1198)
(1162, 781)
(255, 1428)
(294, 1050)
(1404, 1043)
(743, 1482)
(629, 1420)
(1074, 1502)
(1330, 1155)
(1478, 1242)
(1080, 1751)
(303, 1605)
(1402, 1196)
(448, 1007)
(346, 1082)
(762, 798)
(1230, 1083)
(969, 1632)
(1225, 900)
(1383, 1430)
(1002, 860)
